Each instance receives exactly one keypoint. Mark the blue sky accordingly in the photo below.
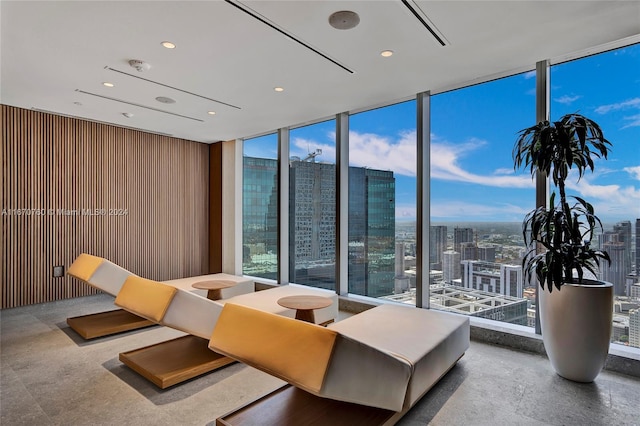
(473, 131)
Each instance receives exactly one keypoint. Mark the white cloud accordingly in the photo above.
(406, 211)
(566, 100)
(633, 121)
(631, 103)
(449, 209)
(606, 199)
(445, 166)
(383, 153)
(633, 171)
(530, 74)
(399, 155)
(503, 171)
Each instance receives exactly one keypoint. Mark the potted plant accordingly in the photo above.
(576, 317)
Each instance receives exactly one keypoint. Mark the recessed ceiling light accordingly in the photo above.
(278, 89)
(386, 53)
(106, 83)
(168, 45)
(211, 112)
(78, 103)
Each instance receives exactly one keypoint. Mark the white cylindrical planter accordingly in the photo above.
(576, 326)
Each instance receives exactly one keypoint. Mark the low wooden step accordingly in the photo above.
(174, 361)
(289, 405)
(106, 323)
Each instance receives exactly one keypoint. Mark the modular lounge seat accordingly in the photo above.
(368, 369)
(108, 277)
(169, 363)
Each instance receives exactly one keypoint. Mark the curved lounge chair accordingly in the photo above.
(108, 277)
(168, 363)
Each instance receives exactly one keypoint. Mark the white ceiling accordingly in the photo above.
(55, 54)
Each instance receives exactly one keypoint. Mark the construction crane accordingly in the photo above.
(312, 155)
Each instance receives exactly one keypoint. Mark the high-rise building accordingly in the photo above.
(488, 254)
(624, 235)
(637, 264)
(371, 231)
(451, 268)
(312, 225)
(260, 217)
(634, 328)
(461, 235)
(468, 251)
(437, 245)
(493, 277)
(614, 272)
(401, 280)
(635, 291)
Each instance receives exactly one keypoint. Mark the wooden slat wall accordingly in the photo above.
(52, 163)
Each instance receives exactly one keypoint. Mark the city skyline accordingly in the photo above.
(471, 154)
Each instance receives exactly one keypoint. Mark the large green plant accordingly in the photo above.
(564, 231)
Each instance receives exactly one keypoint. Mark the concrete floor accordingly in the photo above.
(50, 376)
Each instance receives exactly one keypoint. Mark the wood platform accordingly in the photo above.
(174, 361)
(289, 405)
(106, 323)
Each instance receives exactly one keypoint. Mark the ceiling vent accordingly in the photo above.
(344, 20)
(139, 65)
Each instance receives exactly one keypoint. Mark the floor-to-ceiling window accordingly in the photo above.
(606, 89)
(382, 201)
(478, 201)
(260, 207)
(312, 205)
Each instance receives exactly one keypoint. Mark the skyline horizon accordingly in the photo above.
(473, 130)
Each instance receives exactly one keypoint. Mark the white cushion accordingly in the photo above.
(243, 285)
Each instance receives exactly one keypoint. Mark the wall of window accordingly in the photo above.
(382, 201)
(478, 201)
(606, 89)
(312, 205)
(260, 207)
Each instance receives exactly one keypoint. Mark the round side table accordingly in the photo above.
(305, 305)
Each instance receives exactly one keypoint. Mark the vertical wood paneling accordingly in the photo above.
(57, 165)
(215, 212)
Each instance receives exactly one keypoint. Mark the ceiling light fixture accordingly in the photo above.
(165, 100)
(211, 112)
(344, 20)
(107, 84)
(278, 89)
(168, 45)
(386, 53)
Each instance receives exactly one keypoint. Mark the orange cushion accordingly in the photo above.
(147, 298)
(292, 350)
(84, 266)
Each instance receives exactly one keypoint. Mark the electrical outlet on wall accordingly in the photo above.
(58, 271)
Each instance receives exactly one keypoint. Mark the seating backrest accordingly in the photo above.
(292, 350)
(146, 298)
(99, 273)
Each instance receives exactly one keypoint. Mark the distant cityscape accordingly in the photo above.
(475, 268)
